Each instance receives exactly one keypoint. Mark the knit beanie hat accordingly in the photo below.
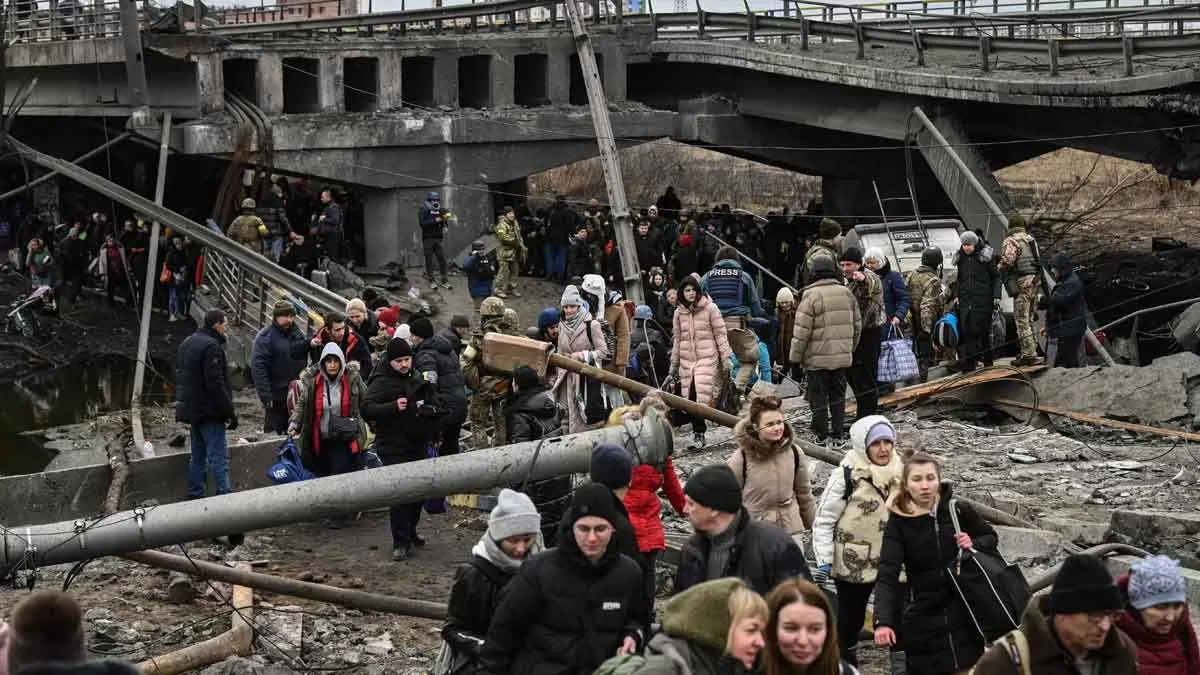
(823, 267)
(460, 321)
(1083, 585)
(513, 515)
(548, 317)
(283, 308)
(388, 316)
(830, 228)
(701, 613)
(398, 348)
(969, 237)
(852, 254)
(403, 332)
(570, 297)
(526, 378)
(643, 312)
(1156, 581)
(422, 328)
(880, 431)
(716, 487)
(47, 626)
(611, 466)
(356, 303)
(784, 295)
(591, 499)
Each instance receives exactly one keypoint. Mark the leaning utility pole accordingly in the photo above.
(609, 159)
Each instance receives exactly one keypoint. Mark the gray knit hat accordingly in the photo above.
(570, 296)
(969, 237)
(1156, 581)
(514, 515)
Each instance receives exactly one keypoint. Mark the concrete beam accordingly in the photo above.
(331, 77)
(390, 81)
(1019, 543)
(616, 82)
(445, 78)
(210, 83)
(504, 73)
(269, 80)
(65, 52)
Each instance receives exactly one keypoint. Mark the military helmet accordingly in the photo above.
(932, 257)
(248, 203)
(491, 306)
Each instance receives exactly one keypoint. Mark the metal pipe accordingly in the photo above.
(1149, 310)
(366, 601)
(139, 367)
(1101, 551)
(650, 440)
(82, 158)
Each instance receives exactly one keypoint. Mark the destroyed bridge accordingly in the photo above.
(471, 99)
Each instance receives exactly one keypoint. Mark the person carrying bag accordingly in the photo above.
(994, 591)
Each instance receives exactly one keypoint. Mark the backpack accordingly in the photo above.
(945, 331)
(610, 339)
(1016, 645)
(288, 468)
(485, 266)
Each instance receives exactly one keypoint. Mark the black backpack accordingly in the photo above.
(485, 266)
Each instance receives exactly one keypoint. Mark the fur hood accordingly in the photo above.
(754, 447)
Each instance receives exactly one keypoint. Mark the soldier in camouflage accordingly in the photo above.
(511, 255)
(867, 288)
(1019, 268)
(827, 245)
(927, 304)
(489, 390)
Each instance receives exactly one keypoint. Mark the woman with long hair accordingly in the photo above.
(772, 469)
(580, 338)
(700, 350)
(713, 628)
(802, 632)
(939, 635)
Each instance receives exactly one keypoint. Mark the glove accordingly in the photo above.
(233, 423)
(671, 382)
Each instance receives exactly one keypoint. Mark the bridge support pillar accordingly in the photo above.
(504, 74)
(445, 78)
(391, 231)
(270, 83)
(558, 73)
(332, 75)
(390, 72)
(210, 83)
(615, 81)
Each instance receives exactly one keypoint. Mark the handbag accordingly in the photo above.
(164, 277)
(999, 330)
(993, 590)
(727, 399)
(436, 505)
(288, 468)
(897, 361)
(342, 428)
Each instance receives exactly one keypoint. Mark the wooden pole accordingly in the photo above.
(239, 640)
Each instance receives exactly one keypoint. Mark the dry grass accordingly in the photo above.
(701, 177)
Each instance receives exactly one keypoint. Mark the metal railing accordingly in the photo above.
(59, 20)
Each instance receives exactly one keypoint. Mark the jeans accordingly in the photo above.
(404, 517)
(556, 261)
(209, 452)
(177, 300)
(434, 255)
(826, 394)
(273, 249)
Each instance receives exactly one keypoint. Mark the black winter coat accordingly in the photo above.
(403, 434)
(531, 415)
(437, 356)
(202, 392)
(685, 262)
(473, 601)
(563, 615)
(1067, 312)
(938, 635)
(579, 258)
(653, 351)
(454, 340)
(763, 555)
(978, 283)
(368, 329)
(276, 359)
(563, 222)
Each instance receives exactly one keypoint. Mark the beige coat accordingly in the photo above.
(575, 344)
(775, 486)
(699, 348)
(828, 325)
(617, 317)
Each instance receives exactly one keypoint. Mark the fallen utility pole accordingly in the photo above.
(238, 640)
(610, 161)
(78, 160)
(144, 528)
(139, 367)
(364, 600)
(502, 353)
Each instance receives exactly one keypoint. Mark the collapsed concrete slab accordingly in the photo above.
(1020, 543)
(1166, 391)
(1170, 532)
(1081, 532)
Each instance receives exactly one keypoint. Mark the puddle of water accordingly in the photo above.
(66, 395)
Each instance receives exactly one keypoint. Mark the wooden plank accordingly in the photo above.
(909, 395)
(1102, 421)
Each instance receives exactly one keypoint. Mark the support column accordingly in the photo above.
(445, 79)
(616, 82)
(558, 73)
(331, 72)
(390, 74)
(504, 73)
(393, 234)
(269, 78)
(210, 83)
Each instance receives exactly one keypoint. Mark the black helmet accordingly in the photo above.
(932, 257)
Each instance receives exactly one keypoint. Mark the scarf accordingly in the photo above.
(573, 322)
(1174, 654)
(319, 384)
(488, 549)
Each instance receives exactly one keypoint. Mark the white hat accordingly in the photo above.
(514, 515)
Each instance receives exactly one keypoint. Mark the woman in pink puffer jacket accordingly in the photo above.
(699, 350)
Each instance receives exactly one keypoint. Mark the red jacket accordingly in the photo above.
(641, 501)
(1175, 654)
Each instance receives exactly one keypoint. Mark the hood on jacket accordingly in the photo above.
(701, 613)
(536, 401)
(594, 285)
(332, 349)
(858, 432)
(1061, 263)
(438, 343)
(730, 264)
(754, 447)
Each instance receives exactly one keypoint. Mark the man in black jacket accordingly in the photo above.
(561, 223)
(977, 292)
(572, 607)
(1066, 317)
(531, 415)
(277, 357)
(204, 400)
(727, 542)
(436, 360)
(399, 402)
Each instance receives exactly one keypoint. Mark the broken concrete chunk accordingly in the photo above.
(379, 646)
(1019, 543)
(1172, 532)
(1081, 532)
(1022, 458)
(1156, 394)
(281, 633)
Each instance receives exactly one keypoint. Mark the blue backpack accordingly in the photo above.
(288, 468)
(945, 331)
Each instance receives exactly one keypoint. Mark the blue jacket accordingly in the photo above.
(202, 392)
(276, 359)
(732, 289)
(895, 293)
(764, 366)
(478, 285)
(431, 227)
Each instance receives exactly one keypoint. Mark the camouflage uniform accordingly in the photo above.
(512, 251)
(248, 229)
(825, 247)
(1019, 261)
(925, 292)
(486, 409)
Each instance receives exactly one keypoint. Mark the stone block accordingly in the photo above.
(1171, 532)
(1019, 543)
(281, 633)
(1154, 394)
(1082, 532)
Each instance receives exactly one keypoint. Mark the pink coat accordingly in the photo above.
(578, 345)
(699, 346)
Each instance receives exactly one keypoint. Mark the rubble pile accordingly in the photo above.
(1165, 392)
